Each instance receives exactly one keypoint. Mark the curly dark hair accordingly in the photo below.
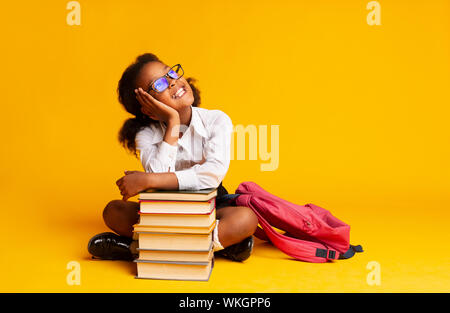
(127, 98)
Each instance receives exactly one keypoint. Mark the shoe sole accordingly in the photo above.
(104, 258)
(96, 236)
(231, 257)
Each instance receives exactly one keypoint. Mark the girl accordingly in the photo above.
(181, 147)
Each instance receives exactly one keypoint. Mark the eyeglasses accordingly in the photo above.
(161, 84)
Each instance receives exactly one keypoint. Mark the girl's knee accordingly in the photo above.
(111, 211)
(120, 216)
(247, 220)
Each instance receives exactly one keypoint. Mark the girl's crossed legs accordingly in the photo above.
(236, 222)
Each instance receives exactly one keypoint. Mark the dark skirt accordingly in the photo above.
(224, 198)
(221, 191)
(220, 200)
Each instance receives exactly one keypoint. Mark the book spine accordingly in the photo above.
(207, 213)
(176, 201)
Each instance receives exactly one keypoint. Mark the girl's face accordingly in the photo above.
(154, 70)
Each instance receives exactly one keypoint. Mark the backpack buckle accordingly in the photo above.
(331, 254)
(327, 254)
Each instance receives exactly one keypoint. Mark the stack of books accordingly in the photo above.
(175, 234)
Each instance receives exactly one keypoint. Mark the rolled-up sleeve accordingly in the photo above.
(216, 152)
(155, 157)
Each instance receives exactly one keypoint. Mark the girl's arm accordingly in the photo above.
(167, 181)
(173, 131)
(163, 158)
(216, 154)
(200, 176)
(208, 174)
(135, 181)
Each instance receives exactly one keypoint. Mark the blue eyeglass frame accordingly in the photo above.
(173, 70)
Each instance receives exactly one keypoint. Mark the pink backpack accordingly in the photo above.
(312, 234)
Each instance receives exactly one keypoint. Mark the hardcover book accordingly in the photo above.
(180, 195)
(174, 270)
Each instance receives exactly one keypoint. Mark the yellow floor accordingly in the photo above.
(412, 251)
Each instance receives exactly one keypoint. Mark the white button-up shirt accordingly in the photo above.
(201, 157)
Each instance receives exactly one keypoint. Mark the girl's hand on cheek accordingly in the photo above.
(132, 183)
(155, 109)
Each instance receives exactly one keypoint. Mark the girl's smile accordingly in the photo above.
(180, 92)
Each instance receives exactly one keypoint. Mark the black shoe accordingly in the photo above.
(109, 246)
(238, 252)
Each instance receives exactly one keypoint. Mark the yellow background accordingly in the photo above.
(364, 132)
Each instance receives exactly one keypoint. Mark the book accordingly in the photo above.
(180, 242)
(174, 270)
(175, 234)
(175, 255)
(177, 207)
(179, 220)
(175, 229)
(178, 195)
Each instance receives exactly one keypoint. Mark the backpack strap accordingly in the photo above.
(260, 234)
(230, 199)
(227, 198)
(299, 249)
(351, 252)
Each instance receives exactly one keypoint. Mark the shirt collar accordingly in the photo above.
(196, 124)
